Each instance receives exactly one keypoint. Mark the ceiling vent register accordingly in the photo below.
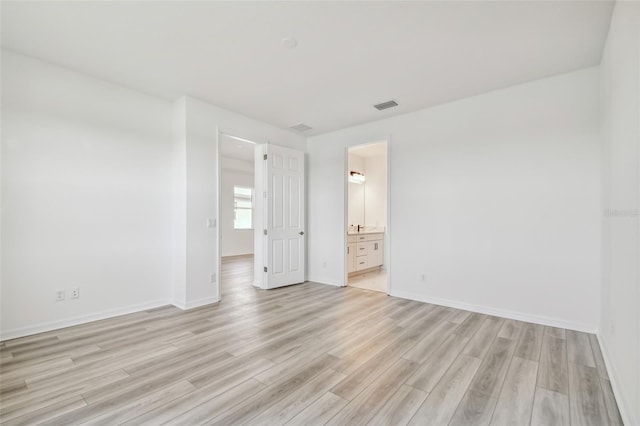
(300, 127)
(385, 105)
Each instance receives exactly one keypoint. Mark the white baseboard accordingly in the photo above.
(55, 325)
(323, 281)
(194, 303)
(536, 319)
(625, 407)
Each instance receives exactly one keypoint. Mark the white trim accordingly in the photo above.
(536, 319)
(325, 282)
(386, 261)
(218, 196)
(624, 406)
(195, 303)
(83, 319)
(345, 218)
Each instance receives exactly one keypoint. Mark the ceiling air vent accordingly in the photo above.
(385, 105)
(300, 127)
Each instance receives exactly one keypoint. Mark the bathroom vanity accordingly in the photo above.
(365, 250)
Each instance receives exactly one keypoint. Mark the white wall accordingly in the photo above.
(85, 197)
(496, 198)
(233, 241)
(375, 188)
(619, 331)
(202, 123)
(109, 190)
(355, 208)
(179, 203)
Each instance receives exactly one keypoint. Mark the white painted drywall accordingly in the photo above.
(202, 123)
(495, 198)
(179, 204)
(85, 197)
(375, 191)
(108, 190)
(355, 209)
(233, 241)
(619, 331)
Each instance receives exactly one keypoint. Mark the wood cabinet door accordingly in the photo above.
(351, 257)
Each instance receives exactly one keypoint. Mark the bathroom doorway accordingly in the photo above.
(367, 217)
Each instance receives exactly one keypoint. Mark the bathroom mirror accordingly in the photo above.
(367, 187)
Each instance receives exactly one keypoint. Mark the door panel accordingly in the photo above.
(294, 205)
(277, 263)
(277, 192)
(285, 216)
(294, 255)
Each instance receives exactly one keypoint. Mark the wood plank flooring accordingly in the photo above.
(305, 354)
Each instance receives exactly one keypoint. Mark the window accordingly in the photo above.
(242, 207)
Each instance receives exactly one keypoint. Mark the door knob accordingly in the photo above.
(301, 233)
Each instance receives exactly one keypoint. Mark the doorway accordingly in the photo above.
(236, 214)
(261, 210)
(367, 208)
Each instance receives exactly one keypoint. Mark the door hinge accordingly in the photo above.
(265, 269)
(264, 157)
(265, 232)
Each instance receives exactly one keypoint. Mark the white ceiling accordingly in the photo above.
(350, 55)
(231, 147)
(369, 150)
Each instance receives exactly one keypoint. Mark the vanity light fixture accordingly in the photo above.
(356, 177)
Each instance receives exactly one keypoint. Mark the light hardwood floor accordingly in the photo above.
(375, 280)
(306, 354)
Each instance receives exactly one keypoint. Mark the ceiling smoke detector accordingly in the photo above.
(289, 42)
(300, 127)
(385, 105)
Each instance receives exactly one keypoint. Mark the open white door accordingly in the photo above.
(284, 245)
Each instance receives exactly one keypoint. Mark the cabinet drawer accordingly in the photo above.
(365, 237)
(362, 249)
(362, 263)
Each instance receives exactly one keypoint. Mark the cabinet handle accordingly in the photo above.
(376, 246)
(362, 263)
(361, 248)
(348, 250)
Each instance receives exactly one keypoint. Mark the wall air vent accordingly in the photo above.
(385, 105)
(300, 127)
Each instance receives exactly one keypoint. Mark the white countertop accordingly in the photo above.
(367, 231)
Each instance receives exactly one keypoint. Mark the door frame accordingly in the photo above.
(345, 218)
(219, 134)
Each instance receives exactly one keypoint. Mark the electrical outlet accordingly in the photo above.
(75, 292)
(212, 278)
(60, 295)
